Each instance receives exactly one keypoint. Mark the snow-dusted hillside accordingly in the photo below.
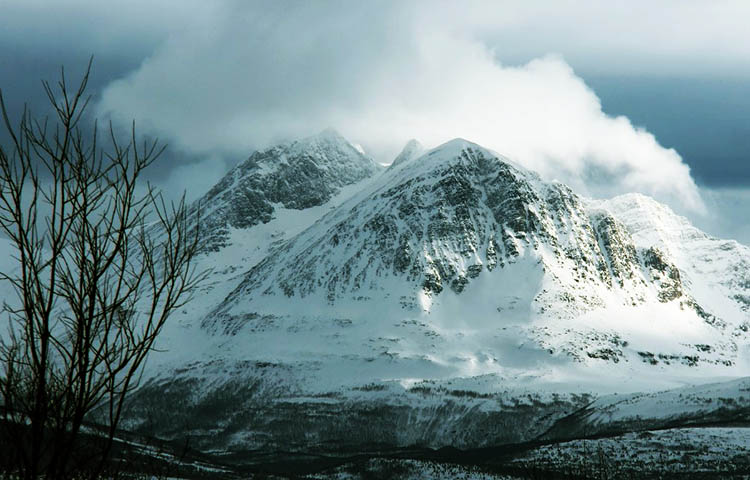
(454, 298)
(294, 176)
(411, 150)
(716, 271)
(460, 263)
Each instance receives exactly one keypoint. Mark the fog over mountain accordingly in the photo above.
(219, 80)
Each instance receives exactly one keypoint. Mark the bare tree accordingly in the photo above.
(102, 262)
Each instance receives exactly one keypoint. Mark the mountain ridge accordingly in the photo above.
(454, 271)
(294, 175)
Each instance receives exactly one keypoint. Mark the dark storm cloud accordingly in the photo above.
(37, 38)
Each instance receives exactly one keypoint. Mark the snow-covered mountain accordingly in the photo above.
(411, 150)
(453, 289)
(296, 175)
(462, 226)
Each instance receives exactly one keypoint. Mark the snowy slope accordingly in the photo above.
(716, 271)
(440, 292)
(295, 176)
(411, 150)
(552, 280)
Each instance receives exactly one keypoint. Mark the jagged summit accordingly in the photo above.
(407, 299)
(411, 150)
(456, 211)
(454, 150)
(654, 221)
(295, 175)
(328, 137)
(416, 226)
(461, 225)
(330, 133)
(714, 268)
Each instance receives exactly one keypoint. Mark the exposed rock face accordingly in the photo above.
(442, 220)
(461, 218)
(668, 276)
(454, 265)
(296, 175)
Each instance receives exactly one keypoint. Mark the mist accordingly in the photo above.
(249, 76)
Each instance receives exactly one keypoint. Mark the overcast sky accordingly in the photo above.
(607, 96)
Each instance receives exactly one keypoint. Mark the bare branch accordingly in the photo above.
(95, 283)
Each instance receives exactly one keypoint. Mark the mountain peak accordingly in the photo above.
(295, 175)
(453, 149)
(457, 265)
(329, 134)
(411, 150)
(327, 140)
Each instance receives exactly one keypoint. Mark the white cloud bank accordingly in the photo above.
(245, 75)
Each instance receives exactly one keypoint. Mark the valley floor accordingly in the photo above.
(678, 453)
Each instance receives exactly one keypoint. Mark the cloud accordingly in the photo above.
(635, 37)
(192, 179)
(114, 28)
(726, 213)
(245, 75)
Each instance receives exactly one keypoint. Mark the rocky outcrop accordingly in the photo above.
(455, 265)
(296, 175)
(440, 221)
